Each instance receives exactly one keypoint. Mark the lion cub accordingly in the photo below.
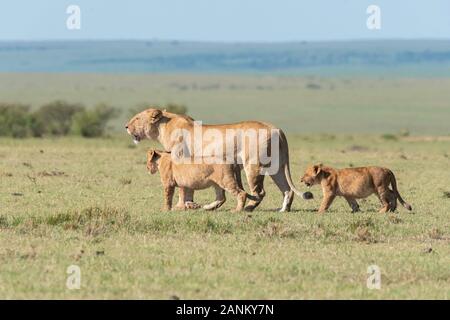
(196, 177)
(355, 183)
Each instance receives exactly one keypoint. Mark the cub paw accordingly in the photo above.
(191, 205)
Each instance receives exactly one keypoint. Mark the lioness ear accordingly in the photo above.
(155, 116)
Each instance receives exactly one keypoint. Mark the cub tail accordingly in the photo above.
(397, 194)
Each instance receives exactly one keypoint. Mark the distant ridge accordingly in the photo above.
(402, 57)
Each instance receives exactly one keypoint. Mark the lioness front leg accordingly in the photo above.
(326, 202)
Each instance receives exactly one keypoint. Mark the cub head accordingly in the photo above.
(313, 175)
(153, 157)
(144, 124)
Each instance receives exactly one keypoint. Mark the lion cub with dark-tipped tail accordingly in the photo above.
(196, 176)
(355, 183)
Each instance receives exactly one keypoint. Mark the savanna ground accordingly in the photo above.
(91, 203)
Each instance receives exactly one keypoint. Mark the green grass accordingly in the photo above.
(91, 203)
(307, 104)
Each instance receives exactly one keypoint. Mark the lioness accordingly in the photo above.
(163, 126)
(195, 177)
(355, 183)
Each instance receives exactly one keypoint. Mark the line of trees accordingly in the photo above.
(61, 118)
(57, 118)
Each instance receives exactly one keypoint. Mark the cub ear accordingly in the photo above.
(153, 155)
(318, 168)
(150, 154)
(155, 115)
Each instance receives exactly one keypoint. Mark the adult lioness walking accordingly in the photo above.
(181, 134)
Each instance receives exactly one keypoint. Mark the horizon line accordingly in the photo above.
(222, 41)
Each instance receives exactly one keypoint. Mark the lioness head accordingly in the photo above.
(152, 160)
(144, 124)
(312, 175)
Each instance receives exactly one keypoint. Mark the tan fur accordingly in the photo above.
(355, 183)
(195, 177)
(159, 125)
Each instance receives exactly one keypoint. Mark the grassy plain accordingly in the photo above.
(91, 203)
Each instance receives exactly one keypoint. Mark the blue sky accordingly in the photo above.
(224, 20)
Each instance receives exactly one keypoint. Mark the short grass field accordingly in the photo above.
(91, 203)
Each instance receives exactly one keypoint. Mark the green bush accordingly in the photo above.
(14, 120)
(58, 118)
(176, 108)
(54, 118)
(389, 136)
(92, 123)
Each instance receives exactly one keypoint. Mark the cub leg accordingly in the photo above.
(241, 197)
(256, 183)
(231, 184)
(392, 201)
(186, 199)
(168, 197)
(220, 199)
(326, 202)
(353, 204)
(383, 195)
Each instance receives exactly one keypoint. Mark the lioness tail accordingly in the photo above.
(257, 197)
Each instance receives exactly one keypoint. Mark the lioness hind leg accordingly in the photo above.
(220, 199)
(288, 195)
(238, 177)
